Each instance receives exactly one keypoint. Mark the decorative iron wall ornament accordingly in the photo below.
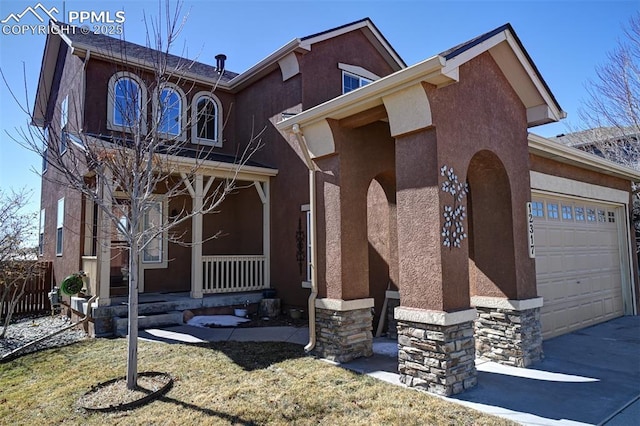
(453, 230)
(301, 245)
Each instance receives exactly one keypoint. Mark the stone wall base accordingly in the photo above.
(343, 335)
(437, 358)
(509, 337)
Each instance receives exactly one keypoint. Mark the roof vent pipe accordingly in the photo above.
(220, 62)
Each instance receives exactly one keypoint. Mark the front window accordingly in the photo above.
(152, 224)
(126, 102)
(60, 227)
(206, 128)
(170, 112)
(352, 82)
(64, 120)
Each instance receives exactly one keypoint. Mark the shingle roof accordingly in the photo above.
(119, 48)
(463, 47)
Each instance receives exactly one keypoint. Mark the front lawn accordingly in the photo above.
(217, 383)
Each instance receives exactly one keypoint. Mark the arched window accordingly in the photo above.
(170, 112)
(126, 103)
(206, 127)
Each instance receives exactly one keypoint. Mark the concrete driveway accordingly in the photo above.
(591, 376)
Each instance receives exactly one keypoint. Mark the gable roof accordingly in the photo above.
(506, 29)
(443, 69)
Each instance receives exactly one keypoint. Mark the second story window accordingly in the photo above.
(352, 81)
(126, 103)
(126, 106)
(169, 112)
(206, 128)
(64, 120)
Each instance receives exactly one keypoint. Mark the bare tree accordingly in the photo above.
(611, 111)
(18, 257)
(124, 173)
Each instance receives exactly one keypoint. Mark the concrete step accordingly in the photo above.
(121, 324)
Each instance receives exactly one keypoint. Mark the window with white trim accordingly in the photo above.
(45, 148)
(567, 212)
(169, 111)
(352, 81)
(591, 215)
(206, 112)
(552, 211)
(64, 120)
(153, 250)
(41, 233)
(579, 213)
(60, 227)
(611, 216)
(126, 106)
(601, 216)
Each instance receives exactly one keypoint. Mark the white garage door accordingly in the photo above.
(578, 266)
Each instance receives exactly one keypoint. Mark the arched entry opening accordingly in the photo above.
(491, 246)
(382, 242)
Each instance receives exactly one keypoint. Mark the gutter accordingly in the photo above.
(312, 231)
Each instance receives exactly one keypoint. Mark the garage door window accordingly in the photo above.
(579, 213)
(567, 213)
(612, 217)
(591, 215)
(601, 216)
(552, 211)
(537, 209)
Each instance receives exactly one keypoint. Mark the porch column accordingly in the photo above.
(104, 246)
(508, 331)
(196, 238)
(263, 193)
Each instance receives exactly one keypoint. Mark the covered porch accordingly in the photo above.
(221, 252)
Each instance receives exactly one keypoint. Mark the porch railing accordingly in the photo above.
(227, 274)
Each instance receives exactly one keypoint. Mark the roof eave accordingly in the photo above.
(546, 148)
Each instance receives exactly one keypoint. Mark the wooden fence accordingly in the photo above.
(35, 299)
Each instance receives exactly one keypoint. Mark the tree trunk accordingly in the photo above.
(132, 337)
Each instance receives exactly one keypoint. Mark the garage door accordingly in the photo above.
(578, 266)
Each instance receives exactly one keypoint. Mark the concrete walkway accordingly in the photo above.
(591, 376)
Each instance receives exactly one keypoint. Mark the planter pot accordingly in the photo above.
(240, 313)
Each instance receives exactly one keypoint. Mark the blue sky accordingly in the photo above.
(566, 40)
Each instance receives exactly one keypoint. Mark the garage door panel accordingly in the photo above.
(577, 267)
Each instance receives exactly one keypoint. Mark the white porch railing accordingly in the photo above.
(227, 274)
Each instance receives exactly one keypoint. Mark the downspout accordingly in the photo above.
(312, 231)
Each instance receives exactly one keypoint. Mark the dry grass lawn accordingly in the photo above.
(218, 383)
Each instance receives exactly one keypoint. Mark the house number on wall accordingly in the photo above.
(532, 244)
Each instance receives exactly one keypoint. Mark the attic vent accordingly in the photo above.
(220, 62)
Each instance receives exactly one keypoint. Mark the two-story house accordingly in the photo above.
(379, 185)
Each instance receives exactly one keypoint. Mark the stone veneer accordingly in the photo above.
(440, 357)
(509, 331)
(392, 324)
(343, 329)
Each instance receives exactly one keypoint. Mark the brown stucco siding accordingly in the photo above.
(483, 112)
(322, 79)
(99, 72)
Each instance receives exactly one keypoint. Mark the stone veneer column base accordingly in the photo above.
(436, 350)
(343, 329)
(508, 331)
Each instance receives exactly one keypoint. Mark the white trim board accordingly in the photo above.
(560, 185)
